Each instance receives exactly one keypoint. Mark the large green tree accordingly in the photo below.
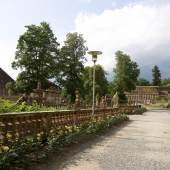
(101, 83)
(156, 76)
(112, 87)
(126, 74)
(143, 82)
(36, 56)
(72, 59)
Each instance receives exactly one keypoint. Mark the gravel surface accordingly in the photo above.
(142, 144)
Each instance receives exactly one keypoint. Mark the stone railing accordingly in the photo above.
(16, 126)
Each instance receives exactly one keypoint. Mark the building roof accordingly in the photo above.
(4, 77)
(145, 90)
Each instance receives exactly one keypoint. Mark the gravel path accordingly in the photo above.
(142, 144)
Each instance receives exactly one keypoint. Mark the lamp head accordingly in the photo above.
(94, 55)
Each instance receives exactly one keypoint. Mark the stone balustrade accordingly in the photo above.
(17, 126)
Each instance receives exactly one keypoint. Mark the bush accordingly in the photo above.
(5, 106)
(138, 111)
(8, 106)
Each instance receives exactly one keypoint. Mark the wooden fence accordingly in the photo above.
(16, 126)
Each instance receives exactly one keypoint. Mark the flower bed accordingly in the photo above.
(38, 147)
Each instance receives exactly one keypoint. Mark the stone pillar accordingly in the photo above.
(38, 94)
(102, 102)
(97, 101)
(77, 100)
(115, 100)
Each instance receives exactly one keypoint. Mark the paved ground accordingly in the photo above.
(142, 144)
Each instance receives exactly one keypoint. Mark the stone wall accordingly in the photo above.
(14, 127)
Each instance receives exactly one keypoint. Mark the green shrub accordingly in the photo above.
(7, 106)
(137, 111)
(140, 111)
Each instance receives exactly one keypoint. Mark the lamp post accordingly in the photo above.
(94, 59)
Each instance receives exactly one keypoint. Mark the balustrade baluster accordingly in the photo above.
(10, 135)
(39, 122)
(3, 132)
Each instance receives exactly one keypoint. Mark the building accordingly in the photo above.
(164, 91)
(143, 95)
(147, 94)
(4, 79)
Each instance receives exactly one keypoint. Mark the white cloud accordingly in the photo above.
(7, 51)
(140, 30)
(86, 1)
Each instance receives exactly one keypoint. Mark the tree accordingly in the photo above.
(126, 74)
(156, 76)
(101, 83)
(11, 88)
(165, 82)
(112, 87)
(143, 82)
(36, 56)
(72, 58)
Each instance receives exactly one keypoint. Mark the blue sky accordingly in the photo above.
(138, 27)
(15, 14)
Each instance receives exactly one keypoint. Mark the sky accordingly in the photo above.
(140, 28)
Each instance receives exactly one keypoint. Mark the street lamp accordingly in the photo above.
(94, 59)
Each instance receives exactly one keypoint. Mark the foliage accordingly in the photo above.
(7, 106)
(138, 111)
(11, 88)
(165, 82)
(62, 136)
(112, 87)
(71, 64)
(143, 82)
(126, 74)
(37, 57)
(168, 106)
(121, 94)
(101, 83)
(156, 74)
